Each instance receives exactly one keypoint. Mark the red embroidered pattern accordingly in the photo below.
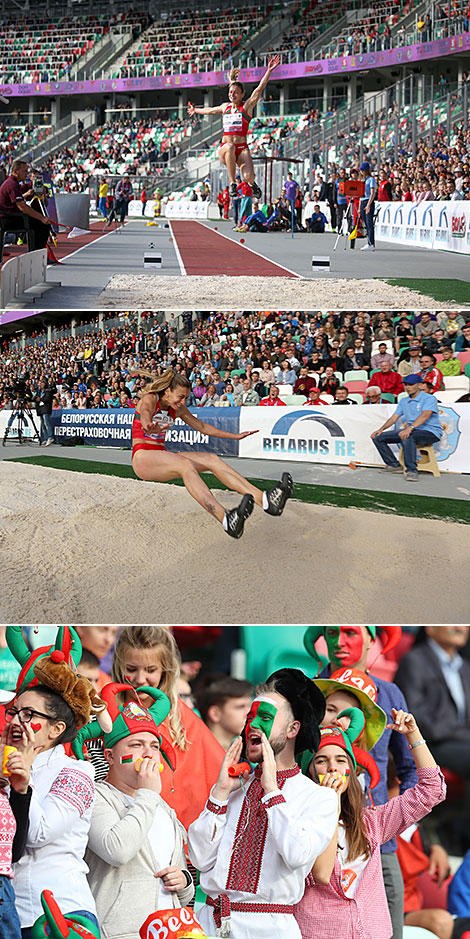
(74, 787)
(275, 800)
(7, 833)
(247, 855)
(223, 907)
(216, 809)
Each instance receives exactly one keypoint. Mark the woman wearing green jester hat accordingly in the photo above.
(135, 849)
(348, 646)
(51, 703)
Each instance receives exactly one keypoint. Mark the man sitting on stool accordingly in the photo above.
(317, 220)
(418, 415)
(13, 206)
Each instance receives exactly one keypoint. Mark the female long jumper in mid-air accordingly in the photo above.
(236, 117)
(161, 402)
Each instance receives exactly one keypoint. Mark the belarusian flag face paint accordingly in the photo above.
(127, 758)
(345, 644)
(260, 717)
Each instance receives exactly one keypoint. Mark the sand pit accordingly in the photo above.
(96, 549)
(148, 291)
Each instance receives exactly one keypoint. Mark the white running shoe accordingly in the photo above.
(368, 248)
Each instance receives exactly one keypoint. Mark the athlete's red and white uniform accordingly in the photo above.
(143, 441)
(235, 123)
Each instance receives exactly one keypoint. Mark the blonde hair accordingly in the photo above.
(148, 637)
(159, 383)
(233, 77)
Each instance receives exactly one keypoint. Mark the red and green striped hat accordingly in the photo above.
(67, 648)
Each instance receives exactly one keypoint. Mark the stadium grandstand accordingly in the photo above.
(94, 96)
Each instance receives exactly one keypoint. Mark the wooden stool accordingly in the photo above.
(426, 462)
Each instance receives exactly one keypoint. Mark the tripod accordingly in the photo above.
(22, 413)
(345, 229)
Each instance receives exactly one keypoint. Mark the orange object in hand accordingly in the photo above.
(6, 754)
(238, 769)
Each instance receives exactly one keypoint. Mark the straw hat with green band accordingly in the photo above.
(358, 683)
(128, 719)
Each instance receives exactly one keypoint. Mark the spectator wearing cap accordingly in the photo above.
(389, 381)
(367, 205)
(449, 365)
(430, 373)
(417, 416)
(382, 356)
(411, 363)
(314, 398)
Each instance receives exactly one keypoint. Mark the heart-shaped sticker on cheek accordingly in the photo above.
(36, 727)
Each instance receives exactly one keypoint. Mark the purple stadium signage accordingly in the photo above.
(349, 63)
(12, 316)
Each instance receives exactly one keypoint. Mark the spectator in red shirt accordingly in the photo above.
(389, 381)
(432, 375)
(304, 382)
(273, 400)
(314, 398)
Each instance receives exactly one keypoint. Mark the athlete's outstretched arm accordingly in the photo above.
(256, 94)
(192, 109)
(209, 429)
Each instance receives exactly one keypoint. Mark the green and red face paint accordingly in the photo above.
(345, 644)
(260, 717)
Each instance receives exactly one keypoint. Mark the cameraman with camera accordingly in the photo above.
(13, 193)
(43, 403)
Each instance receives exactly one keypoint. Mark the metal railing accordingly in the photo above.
(66, 132)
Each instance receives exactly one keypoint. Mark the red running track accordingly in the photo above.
(204, 251)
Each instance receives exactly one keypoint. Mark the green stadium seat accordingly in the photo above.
(271, 647)
(356, 374)
(294, 399)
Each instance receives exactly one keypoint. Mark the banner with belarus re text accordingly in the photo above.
(437, 225)
(341, 434)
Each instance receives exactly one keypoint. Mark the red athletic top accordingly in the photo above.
(235, 122)
(151, 441)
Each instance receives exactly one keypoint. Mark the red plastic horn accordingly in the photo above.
(238, 769)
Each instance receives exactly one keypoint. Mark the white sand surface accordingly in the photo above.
(151, 291)
(79, 548)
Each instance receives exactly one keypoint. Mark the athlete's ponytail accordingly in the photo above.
(159, 383)
(233, 78)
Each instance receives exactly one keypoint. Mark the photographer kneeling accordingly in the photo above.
(43, 403)
(13, 207)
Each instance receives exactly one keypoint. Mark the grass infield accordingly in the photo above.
(390, 503)
(441, 289)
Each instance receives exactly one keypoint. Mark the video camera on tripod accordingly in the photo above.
(22, 411)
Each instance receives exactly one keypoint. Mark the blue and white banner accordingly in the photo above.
(341, 434)
(184, 438)
(438, 225)
(109, 428)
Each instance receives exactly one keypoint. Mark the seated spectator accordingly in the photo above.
(210, 398)
(328, 382)
(430, 373)
(452, 323)
(258, 385)
(449, 365)
(287, 375)
(317, 221)
(388, 380)
(227, 398)
(248, 398)
(273, 399)
(304, 382)
(89, 667)
(410, 364)
(199, 390)
(416, 422)
(462, 343)
(361, 353)
(223, 703)
(314, 398)
(382, 356)
(266, 374)
(341, 396)
(316, 364)
(350, 361)
(436, 680)
(426, 326)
